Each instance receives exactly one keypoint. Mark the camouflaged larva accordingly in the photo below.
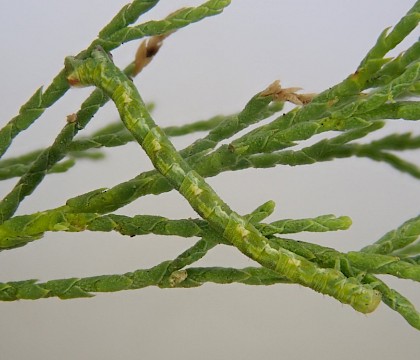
(99, 70)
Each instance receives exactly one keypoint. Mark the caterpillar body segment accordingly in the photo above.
(99, 70)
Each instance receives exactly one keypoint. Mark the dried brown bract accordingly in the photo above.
(147, 50)
(72, 118)
(287, 94)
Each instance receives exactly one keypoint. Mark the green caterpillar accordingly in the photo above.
(100, 71)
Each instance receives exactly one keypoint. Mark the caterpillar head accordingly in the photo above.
(71, 65)
(366, 301)
(76, 69)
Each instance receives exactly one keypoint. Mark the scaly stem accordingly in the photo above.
(41, 100)
(100, 71)
(35, 107)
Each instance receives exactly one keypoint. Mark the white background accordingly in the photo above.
(208, 68)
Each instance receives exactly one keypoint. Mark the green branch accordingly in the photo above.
(396, 239)
(174, 21)
(170, 273)
(20, 230)
(41, 100)
(192, 277)
(100, 71)
(379, 91)
(31, 179)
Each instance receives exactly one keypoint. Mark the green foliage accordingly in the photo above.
(381, 89)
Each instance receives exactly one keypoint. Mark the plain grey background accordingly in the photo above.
(211, 67)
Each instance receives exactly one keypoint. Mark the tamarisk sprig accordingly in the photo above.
(190, 277)
(396, 240)
(283, 131)
(402, 268)
(97, 99)
(373, 62)
(20, 230)
(156, 276)
(165, 274)
(355, 264)
(258, 108)
(100, 71)
(106, 200)
(209, 239)
(395, 301)
(112, 36)
(345, 108)
(233, 158)
(407, 110)
(103, 201)
(339, 101)
(387, 40)
(41, 100)
(329, 149)
(114, 134)
(50, 156)
(20, 169)
(352, 264)
(174, 21)
(396, 66)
